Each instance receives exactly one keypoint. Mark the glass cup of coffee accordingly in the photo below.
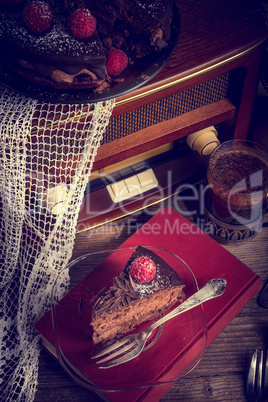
(237, 176)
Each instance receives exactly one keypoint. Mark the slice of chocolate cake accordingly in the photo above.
(145, 289)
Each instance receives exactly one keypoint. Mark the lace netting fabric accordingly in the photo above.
(47, 152)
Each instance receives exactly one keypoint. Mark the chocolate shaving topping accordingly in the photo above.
(131, 282)
(120, 294)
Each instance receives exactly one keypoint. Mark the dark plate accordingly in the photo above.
(134, 76)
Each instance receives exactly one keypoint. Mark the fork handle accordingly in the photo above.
(213, 288)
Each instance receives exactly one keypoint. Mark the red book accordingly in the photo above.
(206, 258)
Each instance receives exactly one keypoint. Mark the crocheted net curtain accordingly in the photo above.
(42, 147)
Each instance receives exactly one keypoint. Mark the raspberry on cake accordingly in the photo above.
(116, 61)
(82, 24)
(143, 269)
(37, 16)
(146, 288)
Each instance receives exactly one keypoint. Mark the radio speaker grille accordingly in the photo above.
(164, 109)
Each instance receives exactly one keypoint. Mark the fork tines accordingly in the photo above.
(112, 351)
(265, 390)
(257, 382)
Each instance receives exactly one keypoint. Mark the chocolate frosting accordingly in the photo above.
(119, 295)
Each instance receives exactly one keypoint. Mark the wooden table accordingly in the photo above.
(221, 374)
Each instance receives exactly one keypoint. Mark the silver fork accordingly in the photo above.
(257, 381)
(132, 345)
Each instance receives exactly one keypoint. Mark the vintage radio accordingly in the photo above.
(210, 81)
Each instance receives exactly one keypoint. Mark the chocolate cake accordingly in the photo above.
(66, 43)
(146, 288)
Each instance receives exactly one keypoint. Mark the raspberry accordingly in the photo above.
(116, 61)
(143, 269)
(37, 16)
(82, 23)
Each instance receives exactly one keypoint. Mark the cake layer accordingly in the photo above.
(121, 321)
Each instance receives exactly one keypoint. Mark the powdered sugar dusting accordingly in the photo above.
(161, 282)
(156, 8)
(57, 40)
